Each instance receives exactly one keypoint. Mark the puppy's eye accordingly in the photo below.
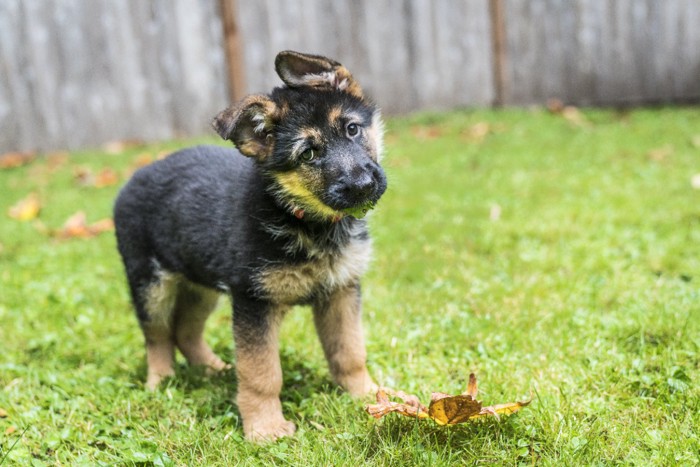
(308, 155)
(353, 129)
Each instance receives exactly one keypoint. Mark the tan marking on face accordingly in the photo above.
(259, 382)
(311, 134)
(339, 326)
(334, 116)
(292, 284)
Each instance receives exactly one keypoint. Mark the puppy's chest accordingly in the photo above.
(295, 283)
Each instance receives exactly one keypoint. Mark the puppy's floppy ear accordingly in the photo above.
(298, 70)
(248, 125)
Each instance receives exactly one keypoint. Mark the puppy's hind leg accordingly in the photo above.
(155, 304)
(193, 307)
(153, 293)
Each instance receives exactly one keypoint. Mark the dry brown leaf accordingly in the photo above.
(77, 227)
(444, 409)
(3, 413)
(10, 160)
(106, 177)
(10, 430)
(477, 132)
(86, 177)
(570, 113)
(56, 160)
(26, 209)
(426, 133)
(141, 160)
(660, 154)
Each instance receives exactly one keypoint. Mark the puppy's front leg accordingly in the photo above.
(339, 325)
(256, 329)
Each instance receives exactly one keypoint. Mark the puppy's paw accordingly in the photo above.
(217, 365)
(359, 384)
(155, 378)
(268, 430)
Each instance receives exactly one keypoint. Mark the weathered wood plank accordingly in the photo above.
(603, 51)
(77, 73)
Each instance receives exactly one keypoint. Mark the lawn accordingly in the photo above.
(553, 255)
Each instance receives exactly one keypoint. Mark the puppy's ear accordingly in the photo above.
(298, 70)
(249, 125)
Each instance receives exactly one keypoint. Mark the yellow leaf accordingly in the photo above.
(450, 410)
(26, 209)
(505, 409)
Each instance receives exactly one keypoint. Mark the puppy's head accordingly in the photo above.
(318, 138)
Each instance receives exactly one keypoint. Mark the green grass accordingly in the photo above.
(585, 291)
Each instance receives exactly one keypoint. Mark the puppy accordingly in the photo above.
(273, 224)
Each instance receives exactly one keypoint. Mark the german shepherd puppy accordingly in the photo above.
(273, 224)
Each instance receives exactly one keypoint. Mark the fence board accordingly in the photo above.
(77, 73)
(602, 52)
(407, 54)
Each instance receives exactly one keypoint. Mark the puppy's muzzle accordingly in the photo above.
(362, 184)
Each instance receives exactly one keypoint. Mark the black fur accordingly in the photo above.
(269, 223)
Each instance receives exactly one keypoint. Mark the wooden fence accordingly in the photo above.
(76, 73)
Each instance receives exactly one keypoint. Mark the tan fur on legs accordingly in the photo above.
(194, 305)
(339, 326)
(160, 354)
(259, 383)
(160, 343)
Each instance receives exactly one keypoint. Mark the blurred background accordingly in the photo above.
(79, 73)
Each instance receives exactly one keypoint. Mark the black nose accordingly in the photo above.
(357, 185)
(363, 187)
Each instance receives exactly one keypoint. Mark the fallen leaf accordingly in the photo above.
(77, 227)
(85, 177)
(384, 406)
(477, 132)
(10, 430)
(444, 409)
(3, 413)
(450, 410)
(10, 160)
(106, 177)
(555, 105)
(26, 209)
(426, 133)
(56, 160)
(570, 113)
(660, 154)
(142, 160)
